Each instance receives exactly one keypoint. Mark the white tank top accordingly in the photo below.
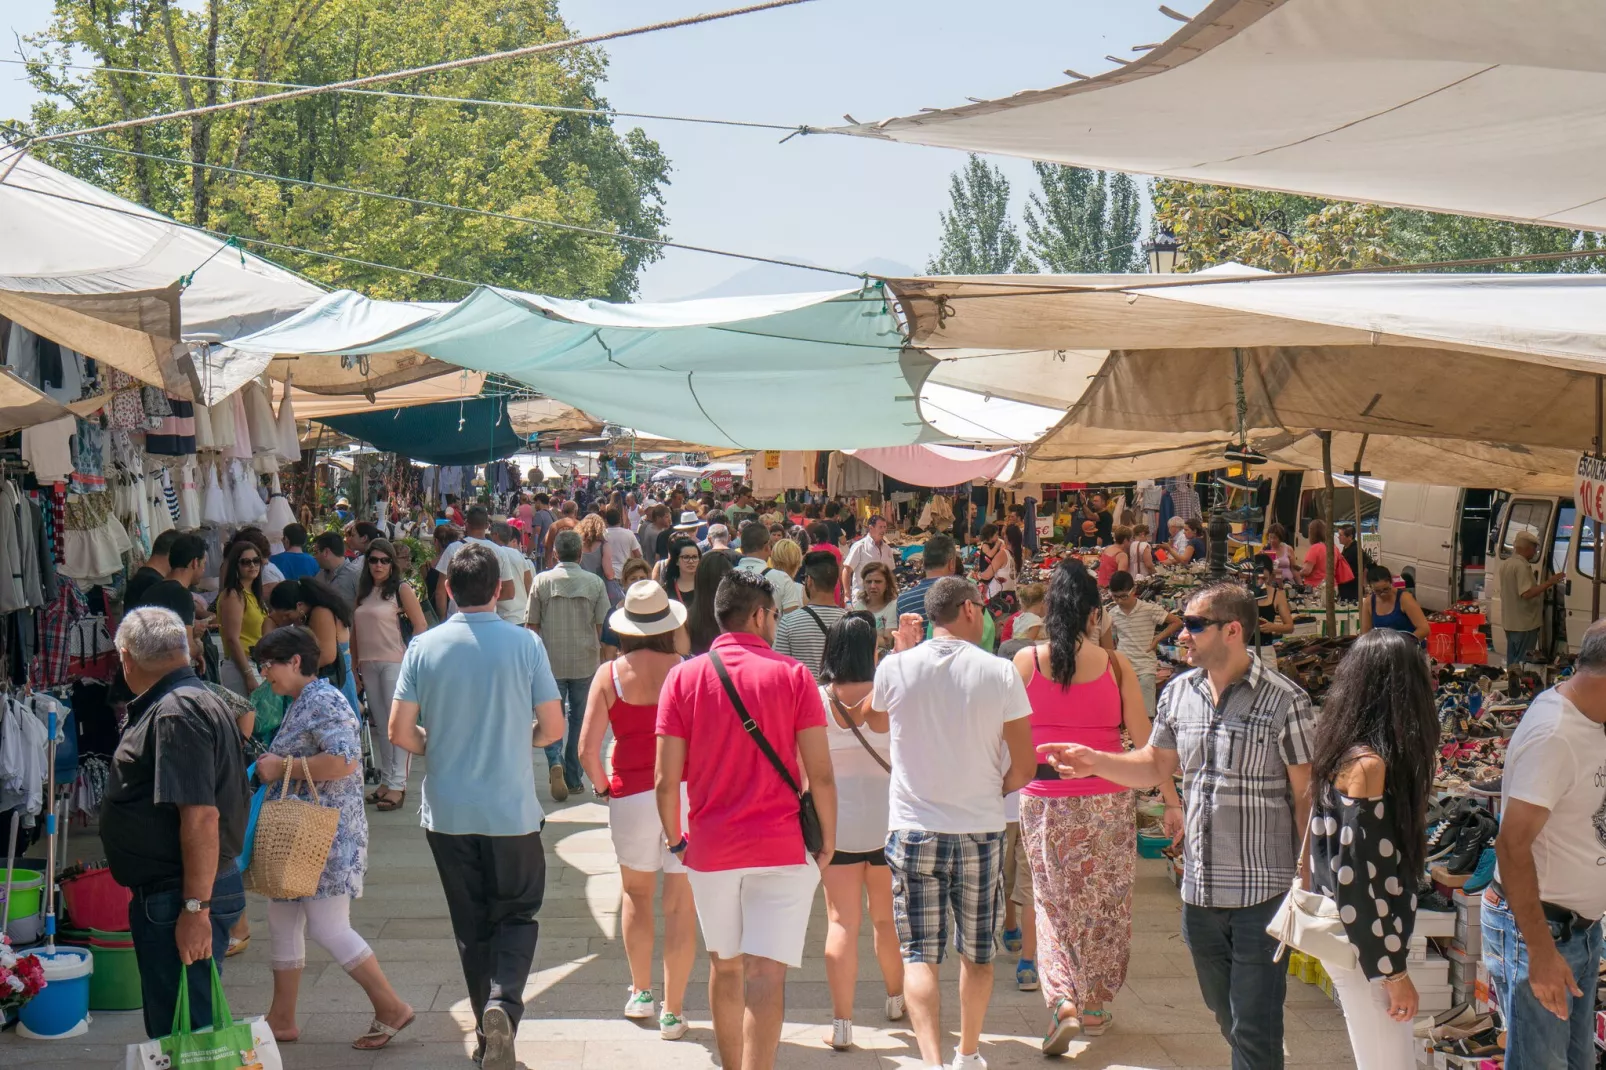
(861, 784)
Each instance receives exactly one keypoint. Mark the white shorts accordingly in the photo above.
(638, 833)
(762, 911)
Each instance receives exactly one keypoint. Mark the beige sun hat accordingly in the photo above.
(646, 611)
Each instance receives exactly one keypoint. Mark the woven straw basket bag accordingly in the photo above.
(293, 839)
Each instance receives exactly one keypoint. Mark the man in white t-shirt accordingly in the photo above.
(953, 710)
(1140, 628)
(1542, 913)
(514, 610)
(620, 540)
(476, 526)
(873, 547)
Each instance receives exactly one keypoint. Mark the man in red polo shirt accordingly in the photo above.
(750, 874)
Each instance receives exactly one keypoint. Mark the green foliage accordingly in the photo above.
(1084, 221)
(568, 168)
(978, 237)
(1289, 233)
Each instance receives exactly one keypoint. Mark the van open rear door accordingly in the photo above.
(1418, 526)
(1539, 517)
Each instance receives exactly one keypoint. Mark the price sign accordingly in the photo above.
(1590, 490)
(722, 481)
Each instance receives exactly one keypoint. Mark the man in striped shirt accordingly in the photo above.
(801, 635)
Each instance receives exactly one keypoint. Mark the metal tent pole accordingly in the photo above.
(1600, 439)
(1364, 603)
(50, 835)
(1327, 522)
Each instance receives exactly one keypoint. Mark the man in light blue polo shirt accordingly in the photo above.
(475, 693)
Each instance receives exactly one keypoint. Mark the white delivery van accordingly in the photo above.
(1564, 546)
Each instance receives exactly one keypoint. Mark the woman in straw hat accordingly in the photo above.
(624, 697)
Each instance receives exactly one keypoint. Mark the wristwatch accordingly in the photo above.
(679, 847)
(195, 906)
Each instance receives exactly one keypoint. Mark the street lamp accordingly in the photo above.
(1162, 251)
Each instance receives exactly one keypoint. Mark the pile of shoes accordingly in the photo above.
(1462, 1031)
(1461, 838)
(1311, 661)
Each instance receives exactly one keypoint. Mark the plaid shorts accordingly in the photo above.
(934, 873)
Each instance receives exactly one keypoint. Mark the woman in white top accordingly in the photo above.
(861, 760)
(1141, 553)
(878, 595)
(377, 646)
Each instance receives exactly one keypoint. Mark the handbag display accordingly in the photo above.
(807, 817)
(1309, 922)
(293, 839)
(227, 1045)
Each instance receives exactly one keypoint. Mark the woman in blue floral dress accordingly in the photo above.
(319, 737)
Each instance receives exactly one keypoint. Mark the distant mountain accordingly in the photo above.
(774, 279)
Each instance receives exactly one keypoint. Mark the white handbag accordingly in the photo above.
(1309, 922)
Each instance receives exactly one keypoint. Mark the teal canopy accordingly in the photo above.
(792, 371)
(476, 431)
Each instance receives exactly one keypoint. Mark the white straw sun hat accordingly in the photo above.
(646, 611)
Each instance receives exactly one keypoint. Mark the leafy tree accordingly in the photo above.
(1084, 221)
(1287, 232)
(978, 237)
(543, 165)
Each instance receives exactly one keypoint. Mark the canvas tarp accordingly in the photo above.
(309, 406)
(931, 465)
(101, 275)
(1482, 107)
(475, 431)
(741, 372)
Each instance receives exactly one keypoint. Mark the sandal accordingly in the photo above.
(1057, 1041)
(385, 806)
(1100, 1024)
(379, 1034)
(237, 945)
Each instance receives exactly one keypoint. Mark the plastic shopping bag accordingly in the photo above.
(243, 863)
(227, 1045)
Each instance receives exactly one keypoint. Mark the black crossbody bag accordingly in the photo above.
(807, 817)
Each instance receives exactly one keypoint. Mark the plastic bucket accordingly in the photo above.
(27, 891)
(95, 901)
(114, 982)
(61, 1007)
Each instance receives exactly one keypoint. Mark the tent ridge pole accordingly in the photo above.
(1600, 437)
(1327, 522)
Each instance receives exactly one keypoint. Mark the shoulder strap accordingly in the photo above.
(1116, 671)
(815, 617)
(865, 743)
(751, 725)
(613, 668)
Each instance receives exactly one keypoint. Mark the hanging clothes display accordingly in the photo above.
(203, 427)
(242, 448)
(289, 440)
(174, 434)
(48, 449)
(96, 541)
(259, 418)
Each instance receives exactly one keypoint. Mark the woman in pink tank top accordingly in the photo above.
(1081, 834)
(624, 697)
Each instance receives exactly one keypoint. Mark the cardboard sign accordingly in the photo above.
(1590, 492)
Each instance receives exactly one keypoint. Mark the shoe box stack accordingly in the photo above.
(1469, 980)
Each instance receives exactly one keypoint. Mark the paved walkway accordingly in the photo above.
(573, 1019)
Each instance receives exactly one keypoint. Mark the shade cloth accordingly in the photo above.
(451, 387)
(938, 466)
(476, 431)
(1483, 107)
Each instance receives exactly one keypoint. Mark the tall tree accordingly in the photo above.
(1287, 232)
(543, 165)
(978, 237)
(1084, 221)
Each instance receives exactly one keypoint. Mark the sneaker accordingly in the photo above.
(1249, 484)
(554, 778)
(841, 1034)
(1482, 874)
(1012, 941)
(973, 1061)
(894, 1008)
(1460, 1015)
(1249, 514)
(1244, 453)
(498, 1030)
(641, 1004)
(1244, 538)
(1489, 789)
(671, 1026)
(1026, 975)
(1434, 902)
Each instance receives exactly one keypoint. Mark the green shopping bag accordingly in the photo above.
(227, 1045)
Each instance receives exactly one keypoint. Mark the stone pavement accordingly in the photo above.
(574, 1000)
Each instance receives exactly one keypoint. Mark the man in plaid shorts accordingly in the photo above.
(960, 742)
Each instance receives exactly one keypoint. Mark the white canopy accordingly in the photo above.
(1483, 107)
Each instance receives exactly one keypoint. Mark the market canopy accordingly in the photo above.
(472, 431)
(1481, 107)
(125, 285)
(931, 465)
(793, 371)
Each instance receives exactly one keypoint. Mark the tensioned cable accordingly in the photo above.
(794, 128)
(662, 243)
(412, 72)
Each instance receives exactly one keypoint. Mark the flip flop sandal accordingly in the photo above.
(1057, 1041)
(381, 1033)
(385, 806)
(237, 945)
(1101, 1025)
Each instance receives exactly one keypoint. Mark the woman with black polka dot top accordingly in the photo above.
(1370, 776)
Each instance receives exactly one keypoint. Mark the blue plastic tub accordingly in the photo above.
(61, 1008)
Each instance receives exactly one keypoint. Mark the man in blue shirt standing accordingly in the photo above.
(294, 561)
(476, 693)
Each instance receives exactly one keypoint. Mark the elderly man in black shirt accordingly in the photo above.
(173, 818)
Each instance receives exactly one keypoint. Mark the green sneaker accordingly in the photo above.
(640, 1004)
(671, 1026)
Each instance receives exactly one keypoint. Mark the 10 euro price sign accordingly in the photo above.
(1591, 486)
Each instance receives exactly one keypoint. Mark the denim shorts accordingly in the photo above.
(938, 874)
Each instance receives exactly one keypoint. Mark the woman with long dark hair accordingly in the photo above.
(1371, 771)
(1017, 546)
(241, 609)
(680, 570)
(378, 643)
(703, 626)
(998, 562)
(1081, 834)
(316, 603)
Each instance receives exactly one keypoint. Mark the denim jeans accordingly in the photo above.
(1240, 983)
(152, 923)
(1519, 646)
(1534, 1036)
(567, 750)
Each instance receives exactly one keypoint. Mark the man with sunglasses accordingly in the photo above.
(1241, 735)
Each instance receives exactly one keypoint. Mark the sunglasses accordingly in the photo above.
(244, 561)
(378, 560)
(1199, 624)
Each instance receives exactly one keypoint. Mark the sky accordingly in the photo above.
(833, 201)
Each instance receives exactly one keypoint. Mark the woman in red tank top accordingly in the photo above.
(624, 697)
(1080, 835)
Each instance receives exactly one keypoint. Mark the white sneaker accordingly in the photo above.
(671, 1026)
(841, 1034)
(895, 1008)
(641, 1004)
(973, 1061)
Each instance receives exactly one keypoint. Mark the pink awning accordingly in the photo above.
(938, 466)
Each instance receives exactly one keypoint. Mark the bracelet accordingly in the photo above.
(680, 847)
(1395, 978)
(1173, 806)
